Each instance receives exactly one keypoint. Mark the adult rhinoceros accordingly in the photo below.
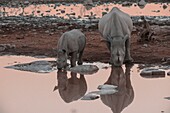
(70, 43)
(116, 28)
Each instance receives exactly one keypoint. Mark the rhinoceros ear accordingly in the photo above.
(61, 51)
(64, 51)
(55, 88)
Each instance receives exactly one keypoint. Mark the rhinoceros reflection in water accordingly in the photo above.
(125, 95)
(70, 89)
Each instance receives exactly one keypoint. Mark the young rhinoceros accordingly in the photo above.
(70, 43)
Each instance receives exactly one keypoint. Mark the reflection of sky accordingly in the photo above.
(151, 9)
(26, 92)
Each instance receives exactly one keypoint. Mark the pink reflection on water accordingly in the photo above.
(26, 92)
(150, 9)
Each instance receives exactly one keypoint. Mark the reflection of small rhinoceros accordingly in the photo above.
(70, 43)
(70, 89)
(116, 28)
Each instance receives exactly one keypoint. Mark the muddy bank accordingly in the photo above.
(35, 36)
(54, 21)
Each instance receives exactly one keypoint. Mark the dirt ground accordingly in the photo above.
(38, 41)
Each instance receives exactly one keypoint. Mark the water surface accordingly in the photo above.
(28, 92)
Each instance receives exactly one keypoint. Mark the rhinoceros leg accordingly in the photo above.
(108, 45)
(73, 59)
(80, 61)
(128, 57)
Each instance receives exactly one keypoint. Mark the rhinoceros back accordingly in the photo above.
(115, 23)
(72, 41)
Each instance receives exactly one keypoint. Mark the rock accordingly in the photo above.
(167, 98)
(90, 96)
(142, 4)
(57, 4)
(152, 73)
(107, 9)
(14, 4)
(72, 13)
(51, 33)
(38, 11)
(105, 91)
(95, 94)
(166, 67)
(47, 31)
(168, 60)
(168, 73)
(26, 2)
(1, 31)
(103, 13)
(36, 66)
(126, 3)
(158, 72)
(145, 45)
(63, 27)
(87, 26)
(146, 73)
(84, 69)
(4, 47)
(4, 36)
(88, 2)
(106, 86)
(48, 11)
(165, 6)
(62, 11)
(94, 20)
(34, 30)
(157, 11)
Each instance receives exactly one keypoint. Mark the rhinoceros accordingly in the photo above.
(115, 28)
(125, 95)
(70, 89)
(71, 43)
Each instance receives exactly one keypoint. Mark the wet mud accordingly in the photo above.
(38, 36)
(42, 41)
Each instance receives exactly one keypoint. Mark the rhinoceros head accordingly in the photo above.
(117, 49)
(62, 59)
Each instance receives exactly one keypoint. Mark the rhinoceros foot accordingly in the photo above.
(79, 62)
(128, 61)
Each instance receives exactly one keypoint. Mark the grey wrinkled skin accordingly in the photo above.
(115, 28)
(71, 43)
(62, 59)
